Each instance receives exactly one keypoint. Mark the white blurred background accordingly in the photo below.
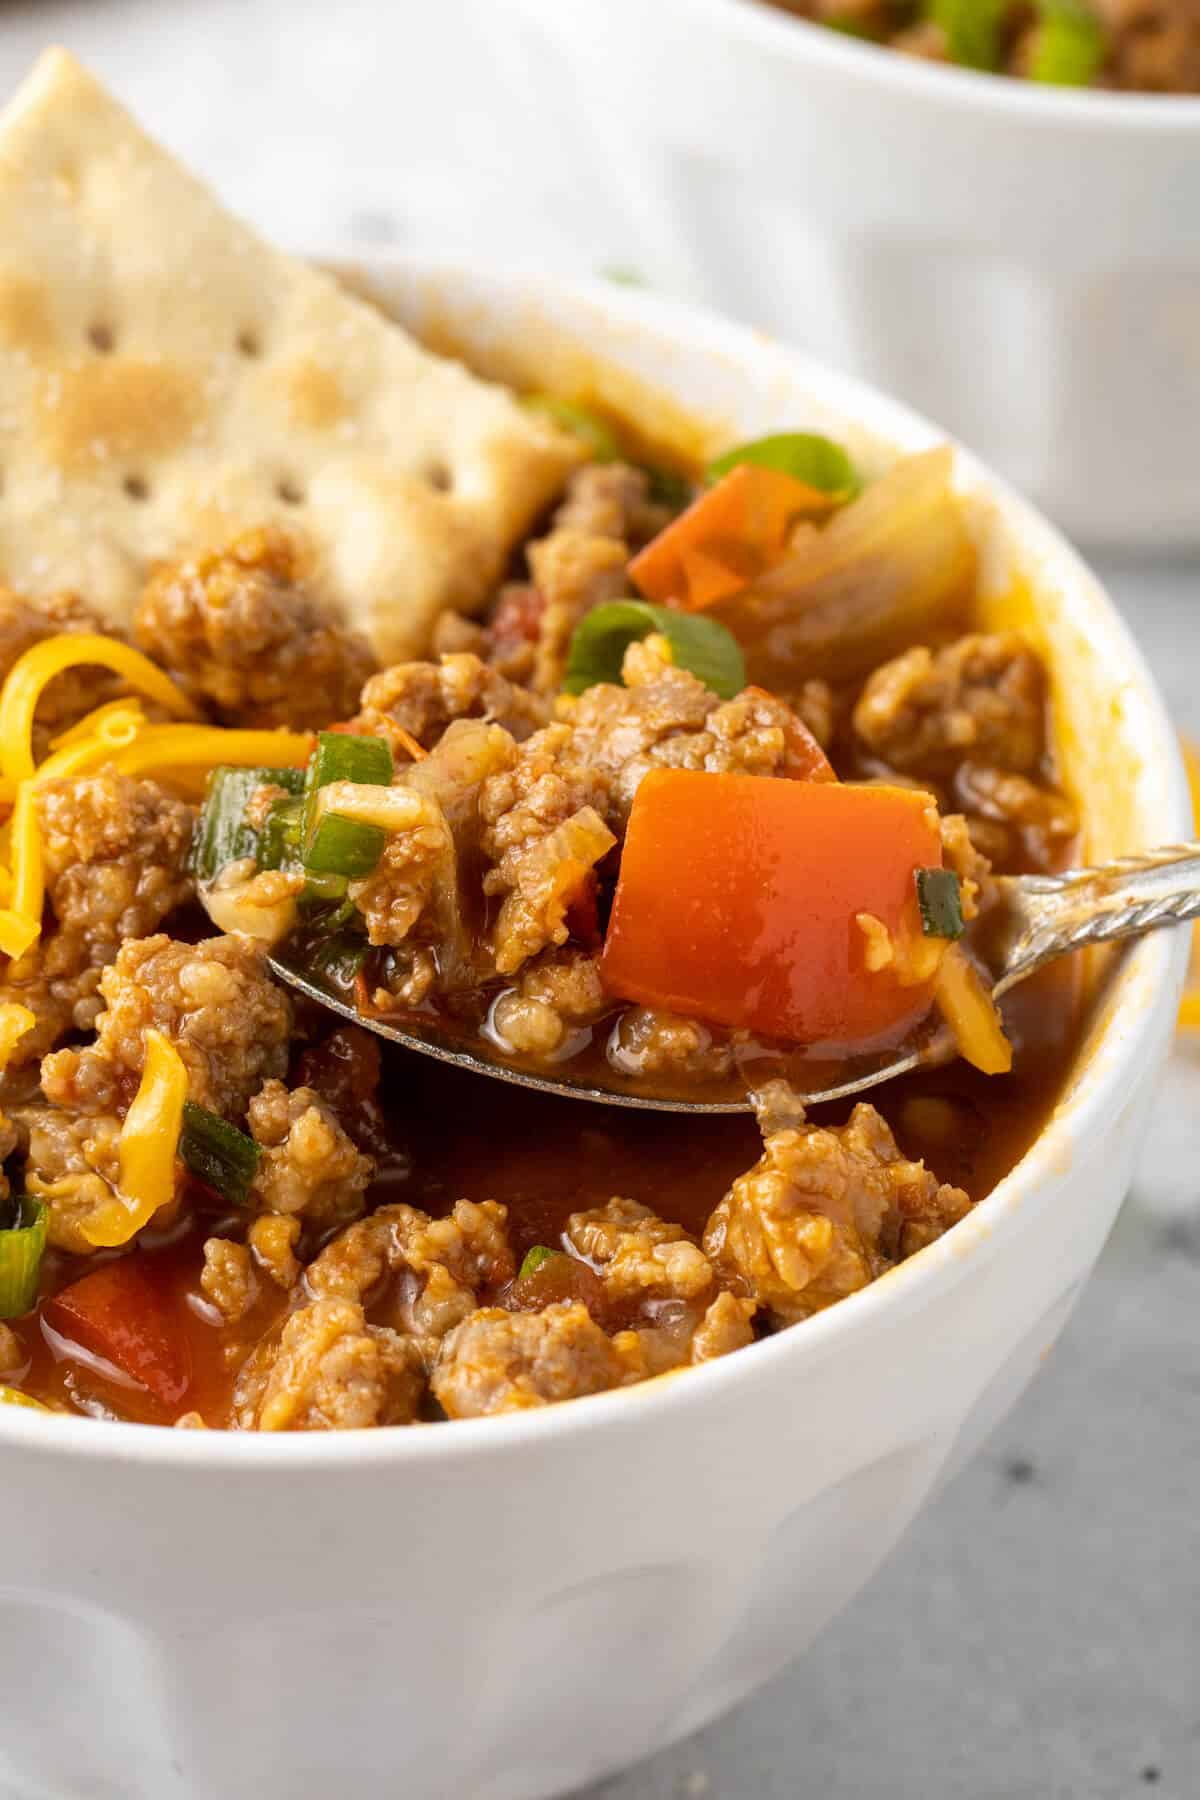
(335, 121)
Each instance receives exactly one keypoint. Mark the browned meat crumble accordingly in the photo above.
(331, 1300)
(241, 633)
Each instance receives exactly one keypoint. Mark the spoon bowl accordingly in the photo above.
(1035, 919)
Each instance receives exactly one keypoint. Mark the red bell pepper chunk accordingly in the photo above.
(119, 1312)
(726, 538)
(739, 901)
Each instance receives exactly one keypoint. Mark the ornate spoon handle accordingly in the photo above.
(1048, 915)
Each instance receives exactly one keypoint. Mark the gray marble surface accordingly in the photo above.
(1037, 1636)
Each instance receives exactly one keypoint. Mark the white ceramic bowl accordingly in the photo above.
(1021, 263)
(503, 1609)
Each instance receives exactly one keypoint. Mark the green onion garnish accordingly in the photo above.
(668, 488)
(11, 1396)
(581, 422)
(804, 455)
(22, 1243)
(1069, 45)
(541, 1253)
(320, 889)
(697, 643)
(973, 30)
(279, 840)
(344, 756)
(222, 833)
(343, 847)
(217, 1153)
(939, 896)
(339, 958)
(335, 846)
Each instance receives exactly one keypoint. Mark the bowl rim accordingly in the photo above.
(958, 90)
(1153, 973)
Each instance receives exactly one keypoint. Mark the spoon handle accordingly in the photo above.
(1048, 915)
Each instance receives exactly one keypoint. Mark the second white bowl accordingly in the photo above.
(1019, 262)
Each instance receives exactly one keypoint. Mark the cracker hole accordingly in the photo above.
(290, 492)
(248, 343)
(439, 477)
(136, 487)
(101, 338)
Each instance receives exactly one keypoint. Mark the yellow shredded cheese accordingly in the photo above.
(15, 1021)
(21, 922)
(11, 1396)
(117, 722)
(146, 1153)
(160, 748)
(81, 758)
(32, 673)
(972, 1015)
(117, 736)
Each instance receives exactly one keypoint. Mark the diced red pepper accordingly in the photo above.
(726, 538)
(518, 616)
(120, 1313)
(739, 901)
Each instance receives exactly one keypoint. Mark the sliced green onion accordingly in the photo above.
(973, 30)
(332, 845)
(939, 896)
(581, 422)
(339, 958)
(668, 488)
(220, 1155)
(1069, 44)
(339, 846)
(21, 1248)
(222, 833)
(345, 756)
(541, 1253)
(11, 1396)
(319, 890)
(697, 643)
(279, 841)
(804, 455)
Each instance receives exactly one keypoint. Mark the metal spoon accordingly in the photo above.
(1035, 919)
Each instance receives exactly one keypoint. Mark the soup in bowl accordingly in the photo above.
(514, 1585)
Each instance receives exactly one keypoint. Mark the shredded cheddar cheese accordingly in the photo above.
(407, 742)
(21, 922)
(117, 722)
(15, 1021)
(83, 755)
(117, 735)
(972, 1015)
(161, 748)
(32, 673)
(146, 1153)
